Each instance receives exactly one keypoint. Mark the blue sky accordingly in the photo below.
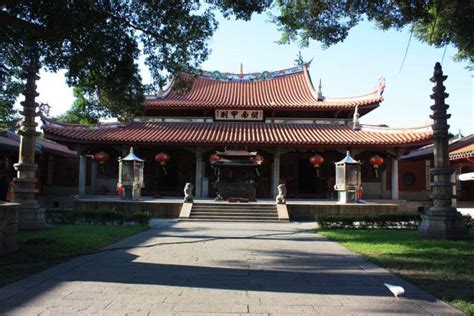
(349, 68)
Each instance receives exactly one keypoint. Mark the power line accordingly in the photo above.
(406, 51)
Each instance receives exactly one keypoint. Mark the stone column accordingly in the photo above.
(82, 174)
(395, 195)
(198, 186)
(31, 216)
(442, 220)
(275, 172)
(383, 184)
(93, 176)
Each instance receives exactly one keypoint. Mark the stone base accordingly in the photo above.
(31, 216)
(447, 224)
(8, 228)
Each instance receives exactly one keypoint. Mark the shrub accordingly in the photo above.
(393, 221)
(110, 217)
(400, 221)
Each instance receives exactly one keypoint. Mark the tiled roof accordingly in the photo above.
(11, 141)
(224, 133)
(461, 153)
(292, 90)
(456, 148)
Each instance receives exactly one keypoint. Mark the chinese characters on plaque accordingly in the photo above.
(239, 115)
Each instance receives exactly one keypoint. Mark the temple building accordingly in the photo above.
(296, 131)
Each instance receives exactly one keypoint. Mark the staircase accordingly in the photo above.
(229, 212)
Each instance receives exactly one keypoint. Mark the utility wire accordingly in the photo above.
(406, 51)
(444, 53)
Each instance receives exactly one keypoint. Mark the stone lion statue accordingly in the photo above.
(188, 192)
(281, 196)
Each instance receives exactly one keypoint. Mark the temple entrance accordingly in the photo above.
(262, 177)
(168, 179)
(303, 180)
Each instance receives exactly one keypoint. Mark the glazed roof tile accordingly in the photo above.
(255, 133)
(289, 89)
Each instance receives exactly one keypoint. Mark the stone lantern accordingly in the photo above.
(347, 179)
(131, 176)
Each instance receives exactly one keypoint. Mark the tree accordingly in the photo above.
(86, 109)
(10, 88)
(436, 22)
(99, 42)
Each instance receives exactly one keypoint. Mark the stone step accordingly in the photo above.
(223, 209)
(257, 207)
(234, 215)
(233, 212)
(230, 220)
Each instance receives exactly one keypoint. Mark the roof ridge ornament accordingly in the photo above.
(319, 92)
(355, 121)
(379, 86)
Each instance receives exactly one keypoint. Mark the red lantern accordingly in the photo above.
(316, 161)
(214, 157)
(102, 157)
(376, 161)
(162, 158)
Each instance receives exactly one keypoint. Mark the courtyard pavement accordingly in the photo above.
(199, 268)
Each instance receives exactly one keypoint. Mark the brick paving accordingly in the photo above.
(198, 268)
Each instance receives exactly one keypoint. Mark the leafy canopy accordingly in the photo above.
(436, 22)
(99, 43)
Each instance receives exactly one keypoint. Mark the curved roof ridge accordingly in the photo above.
(249, 77)
(427, 127)
(53, 123)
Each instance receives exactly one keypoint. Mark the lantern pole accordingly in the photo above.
(442, 220)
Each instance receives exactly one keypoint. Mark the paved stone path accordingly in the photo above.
(191, 268)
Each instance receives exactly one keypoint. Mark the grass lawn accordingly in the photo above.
(442, 268)
(42, 249)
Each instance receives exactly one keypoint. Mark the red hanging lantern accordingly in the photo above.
(163, 159)
(316, 161)
(214, 157)
(376, 161)
(102, 157)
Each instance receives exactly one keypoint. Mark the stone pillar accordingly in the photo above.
(9, 227)
(275, 173)
(383, 184)
(31, 216)
(442, 220)
(395, 194)
(454, 201)
(198, 187)
(82, 173)
(93, 176)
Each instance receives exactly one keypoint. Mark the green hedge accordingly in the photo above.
(400, 221)
(111, 217)
(393, 221)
